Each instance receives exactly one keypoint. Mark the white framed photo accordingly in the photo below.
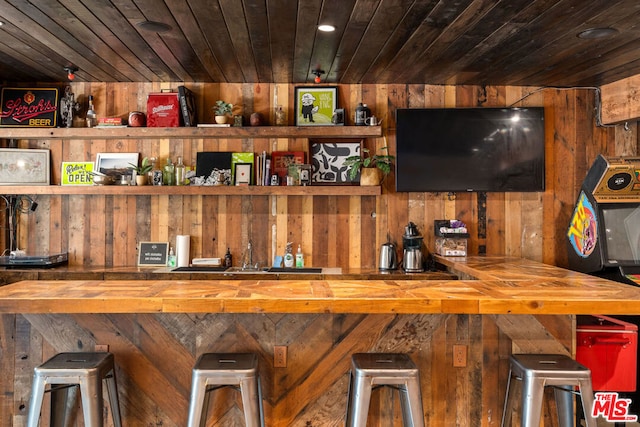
(20, 166)
(116, 164)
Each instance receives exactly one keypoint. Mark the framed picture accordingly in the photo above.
(280, 161)
(327, 161)
(24, 166)
(314, 105)
(116, 164)
(242, 173)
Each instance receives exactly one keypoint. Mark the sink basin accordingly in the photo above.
(207, 268)
(316, 270)
(239, 270)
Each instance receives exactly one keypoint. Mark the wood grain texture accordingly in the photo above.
(528, 224)
(498, 286)
(154, 354)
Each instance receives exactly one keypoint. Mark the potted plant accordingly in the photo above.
(372, 168)
(142, 171)
(222, 110)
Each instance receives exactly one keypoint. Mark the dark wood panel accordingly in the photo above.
(73, 223)
(155, 353)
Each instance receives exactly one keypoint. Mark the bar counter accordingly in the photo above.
(492, 286)
(157, 327)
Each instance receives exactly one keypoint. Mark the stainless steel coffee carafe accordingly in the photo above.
(412, 260)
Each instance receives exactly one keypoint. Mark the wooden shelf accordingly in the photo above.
(194, 132)
(150, 190)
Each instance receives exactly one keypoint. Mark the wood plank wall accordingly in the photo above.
(334, 231)
(155, 354)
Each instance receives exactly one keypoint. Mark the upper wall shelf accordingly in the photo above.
(194, 132)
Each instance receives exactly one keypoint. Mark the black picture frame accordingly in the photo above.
(315, 105)
(327, 161)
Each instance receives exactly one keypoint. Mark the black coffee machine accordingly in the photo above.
(412, 261)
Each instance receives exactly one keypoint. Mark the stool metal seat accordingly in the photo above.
(215, 370)
(371, 370)
(537, 371)
(64, 373)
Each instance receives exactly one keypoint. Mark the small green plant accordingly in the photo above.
(222, 108)
(145, 166)
(380, 161)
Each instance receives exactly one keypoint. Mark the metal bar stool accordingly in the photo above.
(216, 370)
(66, 372)
(371, 370)
(537, 371)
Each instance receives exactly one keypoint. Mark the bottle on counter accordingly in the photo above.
(288, 256)
(281, 119)
(228, 260)
(168, 175)
(299, 258)
(92, 117)
(171, 260)
(180, 172)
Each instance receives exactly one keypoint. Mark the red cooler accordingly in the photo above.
(608, 347)
(163, 110)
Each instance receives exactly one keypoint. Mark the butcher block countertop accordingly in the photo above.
(489, 285)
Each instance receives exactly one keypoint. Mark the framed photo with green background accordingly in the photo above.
(314, 105)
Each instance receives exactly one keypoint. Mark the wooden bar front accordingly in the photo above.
(156, 329)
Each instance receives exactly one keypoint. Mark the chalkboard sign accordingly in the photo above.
(153, 253)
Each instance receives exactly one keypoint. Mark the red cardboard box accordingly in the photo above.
(163, 110)
(608, 347)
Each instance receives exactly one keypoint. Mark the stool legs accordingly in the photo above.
(383, 369)
(68, 372)
(535, 372)
(212, 371)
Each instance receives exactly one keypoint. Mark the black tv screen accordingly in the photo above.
(470, 149)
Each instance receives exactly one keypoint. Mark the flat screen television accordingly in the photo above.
(470, 149)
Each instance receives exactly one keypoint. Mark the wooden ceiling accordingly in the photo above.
(505, 42)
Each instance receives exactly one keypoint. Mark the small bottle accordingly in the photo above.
(180, 172)
(168, 175)
(299, 258)
(361, 115)
(281, 120)
(228, 261)
(171, 261)
(288, 256)
(92, 117)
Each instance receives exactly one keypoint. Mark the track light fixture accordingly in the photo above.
(71, 70)
(317, 72)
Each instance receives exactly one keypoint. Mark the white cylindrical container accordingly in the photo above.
(183, 247)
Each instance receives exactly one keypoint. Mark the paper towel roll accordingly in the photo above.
(183, 246)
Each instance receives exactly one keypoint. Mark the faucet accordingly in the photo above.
(247, 258)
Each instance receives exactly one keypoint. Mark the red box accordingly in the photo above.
(163, 110)
(609, 348)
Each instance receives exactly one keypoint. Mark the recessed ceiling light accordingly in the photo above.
(326, 28)
(156, 27)
(597, 33)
